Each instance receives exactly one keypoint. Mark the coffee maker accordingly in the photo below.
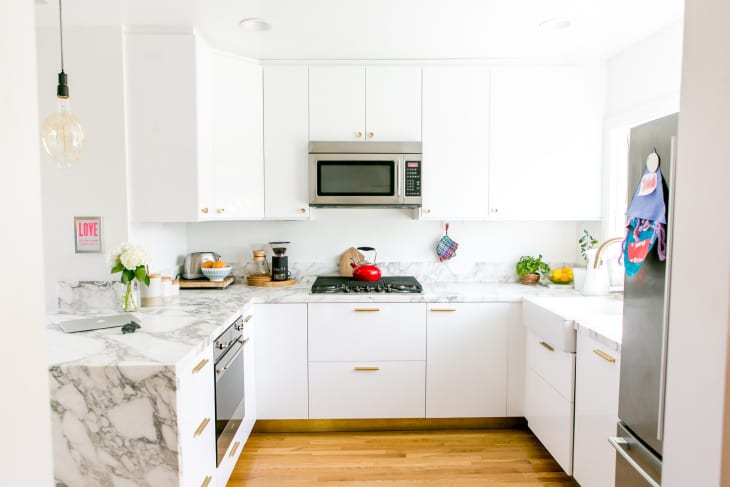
(279, 261)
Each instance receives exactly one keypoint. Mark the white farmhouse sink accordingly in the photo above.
(553, 319)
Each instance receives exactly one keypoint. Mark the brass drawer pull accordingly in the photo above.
(366, 368)
(234, 449)
(199, 430)
(248, 318)
(200, 366)
(206, 481)
(443, 309)
(547, 346)
(366, 310)
(604, 356)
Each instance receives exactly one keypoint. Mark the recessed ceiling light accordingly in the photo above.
(555, 24)
(254, 24)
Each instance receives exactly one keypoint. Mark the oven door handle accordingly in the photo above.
(234, 353)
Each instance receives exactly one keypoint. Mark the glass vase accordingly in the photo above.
(129, 303)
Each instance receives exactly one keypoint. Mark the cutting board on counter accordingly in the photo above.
(204, 283)
(346, 258)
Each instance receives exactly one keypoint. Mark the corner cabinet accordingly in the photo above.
(361, 103)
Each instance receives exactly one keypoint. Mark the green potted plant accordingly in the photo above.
(587, 244)
(530, 268)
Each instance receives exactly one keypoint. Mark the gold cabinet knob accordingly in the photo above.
(302, 210)
(427, 211)
(204, 210)
(371, 135)
(494, 210)
(358, 135)
(220, 210)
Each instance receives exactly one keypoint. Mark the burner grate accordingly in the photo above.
(390, 284)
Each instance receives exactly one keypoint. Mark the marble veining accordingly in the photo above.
(605, 331)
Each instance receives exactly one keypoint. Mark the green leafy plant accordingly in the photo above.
(531, 265)
(586, 242)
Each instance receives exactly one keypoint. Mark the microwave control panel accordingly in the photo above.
(413, 178)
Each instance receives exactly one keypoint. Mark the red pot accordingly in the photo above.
(365, 272)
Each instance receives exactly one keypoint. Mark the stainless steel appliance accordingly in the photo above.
(193, 261)
(379, 174)
(228, 355)
(390, 284)
(639, 442)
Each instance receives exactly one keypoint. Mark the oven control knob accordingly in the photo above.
(222, 345)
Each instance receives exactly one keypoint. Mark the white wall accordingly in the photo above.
(25, 445)
(166, 243)
(697, 387)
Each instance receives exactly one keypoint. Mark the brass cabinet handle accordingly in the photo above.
(437, 310)
(494, 210)
(220, 210)
(206, 481)
(302, 210)
(200, 366)
(248, 318)
(361, 368)
(204, 210)
(547, 346)
(358, 134)
(371, 135)
(427, 211)
(234, 449)
(366, 310)
(604, 356)
(199, 430)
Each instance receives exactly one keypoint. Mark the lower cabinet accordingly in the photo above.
(596, 411)
(467, 360)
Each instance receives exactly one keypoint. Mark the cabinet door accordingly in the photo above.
(546, 133)
(393, 103)
(455, 142)
(162, 136)
(467, 360)
(281, 361)
(286, 112)
(337, 102)
(236, 136)
(596, 412)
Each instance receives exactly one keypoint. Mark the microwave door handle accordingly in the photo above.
(397, 177)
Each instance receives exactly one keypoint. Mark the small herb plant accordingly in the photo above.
(531, 265)
(586, 242)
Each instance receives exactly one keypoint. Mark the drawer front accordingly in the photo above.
(550, 416)
(340, 332)
(367, 390)
(555, 366)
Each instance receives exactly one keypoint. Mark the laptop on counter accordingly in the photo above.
(97, 322)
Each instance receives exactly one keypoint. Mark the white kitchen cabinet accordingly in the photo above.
(378, 103)
(281, 361)
(456, 142)
(467, 360)
(367, 360)
(196, 420)
(549, 399)
(545, 143)
(286, 138)
(596, 411)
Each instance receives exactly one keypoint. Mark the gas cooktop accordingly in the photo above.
(391, 284)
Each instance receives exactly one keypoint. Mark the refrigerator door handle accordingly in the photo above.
(617, 442)
(667, 289)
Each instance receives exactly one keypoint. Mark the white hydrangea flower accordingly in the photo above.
(116, 251)
(134, 257)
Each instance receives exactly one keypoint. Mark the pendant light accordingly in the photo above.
(62, 134)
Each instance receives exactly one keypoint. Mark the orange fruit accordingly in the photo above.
(219, 265)
(207, 264)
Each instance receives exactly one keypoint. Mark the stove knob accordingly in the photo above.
(369, 288)
(347, 289)
(380, 289)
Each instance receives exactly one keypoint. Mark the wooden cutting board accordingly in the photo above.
(346, 258)
(204, 283)
(270, 283)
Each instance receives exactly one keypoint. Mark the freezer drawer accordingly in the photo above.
(636, 465)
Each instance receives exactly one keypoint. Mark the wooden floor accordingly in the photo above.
(510, 458)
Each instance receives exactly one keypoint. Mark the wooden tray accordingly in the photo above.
(204, 283)
(262, 283)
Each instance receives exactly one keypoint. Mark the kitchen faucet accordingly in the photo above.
(602, 247)
(597, 280)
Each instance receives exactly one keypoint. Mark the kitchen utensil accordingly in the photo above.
(446, 247)
(191, 268)
(348, 257)
(366, 271)
(279, 262)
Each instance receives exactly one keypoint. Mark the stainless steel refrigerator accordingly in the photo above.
(638, 441)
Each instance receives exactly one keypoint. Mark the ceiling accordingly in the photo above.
(391, 29)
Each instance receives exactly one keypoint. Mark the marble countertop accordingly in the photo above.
(607, 331)
(179, 330)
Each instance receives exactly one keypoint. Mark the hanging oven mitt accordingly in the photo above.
(446, 247)
(647, 220)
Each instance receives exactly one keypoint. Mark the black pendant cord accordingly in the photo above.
(62, 88)
(60, 30)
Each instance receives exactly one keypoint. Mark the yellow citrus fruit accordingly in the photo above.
(219, 265)
(207, 264)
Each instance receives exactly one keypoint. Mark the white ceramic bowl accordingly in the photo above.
(216, 275)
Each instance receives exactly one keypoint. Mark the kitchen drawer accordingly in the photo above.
(340, 332)
(555, 366)
(377, 390)
(550, 417)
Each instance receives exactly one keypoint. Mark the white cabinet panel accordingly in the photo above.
(286, 138)
(365, 331)
(393, 103)
(516, 363)
(596, 412)
(456, 142)
(367, 389)
(555, 366)
(281, 361)
(336, 102)
(467, 360)
(546, 142)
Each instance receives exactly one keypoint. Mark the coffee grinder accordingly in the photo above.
(279, 261)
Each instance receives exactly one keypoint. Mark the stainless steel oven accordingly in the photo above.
(229, 349)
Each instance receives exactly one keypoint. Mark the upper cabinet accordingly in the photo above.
(545, 143)
(379, 103)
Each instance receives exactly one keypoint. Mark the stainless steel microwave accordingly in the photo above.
(377, 174)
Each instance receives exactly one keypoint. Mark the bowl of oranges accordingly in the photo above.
(215, 271)
(561, 276)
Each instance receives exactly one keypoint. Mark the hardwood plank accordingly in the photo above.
(476, 457)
